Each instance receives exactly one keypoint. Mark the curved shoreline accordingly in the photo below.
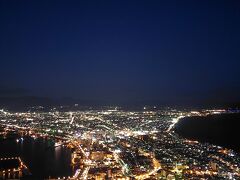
(42, 159)
(220, 129)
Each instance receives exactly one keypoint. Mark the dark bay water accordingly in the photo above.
(221, 129)
(41, 159)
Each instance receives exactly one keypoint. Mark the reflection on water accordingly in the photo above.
(42, 159)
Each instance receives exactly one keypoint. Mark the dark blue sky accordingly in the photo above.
(121, 51)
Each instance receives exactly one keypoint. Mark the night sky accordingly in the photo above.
(121, 51)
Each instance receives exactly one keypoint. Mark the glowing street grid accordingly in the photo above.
(118, 144)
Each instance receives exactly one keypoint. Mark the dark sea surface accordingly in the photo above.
(220, 129)
(42, 159)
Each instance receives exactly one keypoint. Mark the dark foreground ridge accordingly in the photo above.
(218, 129)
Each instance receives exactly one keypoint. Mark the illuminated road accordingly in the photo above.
(174, 121)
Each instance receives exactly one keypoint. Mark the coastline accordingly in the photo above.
(42, 159)
(217, 129)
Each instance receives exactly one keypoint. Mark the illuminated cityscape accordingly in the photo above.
(117, 144)
(119, 90)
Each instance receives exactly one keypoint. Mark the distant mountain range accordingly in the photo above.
(21, 103)
(25, 102)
